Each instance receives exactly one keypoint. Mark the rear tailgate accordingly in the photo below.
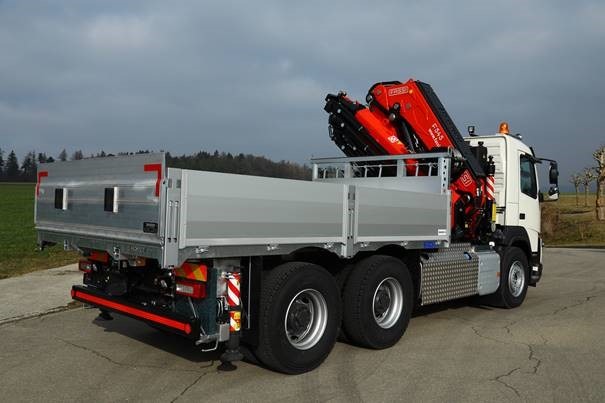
(110, 203)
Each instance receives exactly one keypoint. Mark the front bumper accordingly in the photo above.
(173, 322)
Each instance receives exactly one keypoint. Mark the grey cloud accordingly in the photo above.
(251, 77)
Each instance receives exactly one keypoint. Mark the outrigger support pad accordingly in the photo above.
(104, 315)
(231, 353)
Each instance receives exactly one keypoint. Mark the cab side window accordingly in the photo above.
(529, 186)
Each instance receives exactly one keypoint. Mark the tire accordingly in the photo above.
(378, 301)
(514, 278)
(299, 317)
(341, 279)
(342, 276)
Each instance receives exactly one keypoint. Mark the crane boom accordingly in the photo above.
(407, 118)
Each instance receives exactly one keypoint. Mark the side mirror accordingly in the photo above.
(553, 175)
(553, 193)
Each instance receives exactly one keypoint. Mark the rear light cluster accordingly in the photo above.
(187, 287)
(86, 266)
(190, 288)
(99, 256)
(190, 280)
(95, 258)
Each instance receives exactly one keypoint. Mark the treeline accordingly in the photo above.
(247, 164)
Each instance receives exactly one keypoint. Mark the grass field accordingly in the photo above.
(566, 224)
(18, 253)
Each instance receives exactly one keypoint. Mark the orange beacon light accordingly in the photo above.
(503, 129)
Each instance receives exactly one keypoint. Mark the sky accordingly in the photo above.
(251, 77)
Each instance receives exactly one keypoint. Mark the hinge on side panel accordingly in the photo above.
(350, 223)
(351, 212)
(201, 249)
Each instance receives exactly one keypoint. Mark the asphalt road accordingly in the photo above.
(550, 349)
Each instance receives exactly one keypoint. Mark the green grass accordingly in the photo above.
(18, 248)
(565, 223)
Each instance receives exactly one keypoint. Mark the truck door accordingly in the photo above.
(529, 207)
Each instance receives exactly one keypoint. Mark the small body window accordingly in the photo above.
(529, 185)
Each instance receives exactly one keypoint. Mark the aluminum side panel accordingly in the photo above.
(416, 184)
(227, 209)
(383, 215)
(84, 183)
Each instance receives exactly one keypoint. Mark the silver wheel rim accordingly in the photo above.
(516, 279)
(387, 304)
(306, 319)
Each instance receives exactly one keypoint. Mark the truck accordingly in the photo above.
(413, 215)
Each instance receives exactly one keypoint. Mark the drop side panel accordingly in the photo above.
(394, 215)
(105, 203)
(226, 209)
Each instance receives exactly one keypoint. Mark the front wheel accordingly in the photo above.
(514, 275)
(299, 318)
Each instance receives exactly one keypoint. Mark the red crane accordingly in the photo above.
(405, 118)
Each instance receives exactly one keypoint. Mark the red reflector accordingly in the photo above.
(175, 324)
(188, 288)
(41, 174)
(85, 266)
(157, 168)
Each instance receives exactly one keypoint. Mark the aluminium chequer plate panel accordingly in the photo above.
(449, 273)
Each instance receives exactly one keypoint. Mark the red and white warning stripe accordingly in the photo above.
(490, 187)
(233, 300)
(233, 289)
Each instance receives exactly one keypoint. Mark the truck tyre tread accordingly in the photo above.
(281, 284)
(341, 279)
(359, 324)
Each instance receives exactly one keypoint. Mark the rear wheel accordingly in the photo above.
(299, 318)
(378, 301)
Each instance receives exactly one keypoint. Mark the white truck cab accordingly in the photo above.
(517, 193)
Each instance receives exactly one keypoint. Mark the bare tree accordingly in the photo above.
(588, 175)
(576, 180)
(77, 155)
(599, 155)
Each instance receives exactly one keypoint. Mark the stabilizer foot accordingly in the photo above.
(231, 354)
(226, 366)
(104, 315)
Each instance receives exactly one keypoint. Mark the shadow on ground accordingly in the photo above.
(186, 349)
(166, 341)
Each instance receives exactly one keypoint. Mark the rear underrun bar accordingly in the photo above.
(173, 322)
